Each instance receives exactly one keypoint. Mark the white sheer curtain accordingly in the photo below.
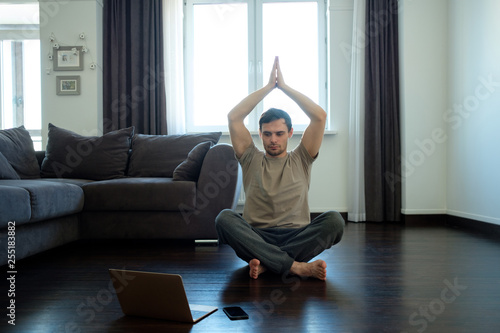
(356, 185)
(174, 65)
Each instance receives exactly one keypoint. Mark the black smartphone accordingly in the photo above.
(235, 312)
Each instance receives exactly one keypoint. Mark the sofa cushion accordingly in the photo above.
(6, 170)
(17, 147)
(139, 194)
(159, 155)
(74, 181)
(50, 199)
(190, 169)
(14, 205)
(70, 155)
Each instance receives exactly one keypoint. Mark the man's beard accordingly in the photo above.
(275, 152)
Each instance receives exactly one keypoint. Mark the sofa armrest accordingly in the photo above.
(218, 187)
(220, 177)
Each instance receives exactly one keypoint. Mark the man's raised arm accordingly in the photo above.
(313, 135)
(240, 136)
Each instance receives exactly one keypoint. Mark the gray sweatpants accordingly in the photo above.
(278, 248)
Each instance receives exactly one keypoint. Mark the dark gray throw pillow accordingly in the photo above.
(6, 170)
(159, 155)
(17, 147)
(70, 155)
(190, 168)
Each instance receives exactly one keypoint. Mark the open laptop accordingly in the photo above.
(156, 295)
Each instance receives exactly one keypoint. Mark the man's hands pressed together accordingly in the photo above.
(313, 134)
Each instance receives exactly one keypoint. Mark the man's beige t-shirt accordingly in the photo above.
(276, 189)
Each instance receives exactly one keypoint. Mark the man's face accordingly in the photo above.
(275, 137)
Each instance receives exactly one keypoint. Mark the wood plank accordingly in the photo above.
(381, 278)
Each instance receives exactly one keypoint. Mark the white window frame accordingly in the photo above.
(255, 55)
(19, 34)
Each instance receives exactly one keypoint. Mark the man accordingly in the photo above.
(275, 232)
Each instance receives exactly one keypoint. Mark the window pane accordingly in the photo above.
(32, 88)
(290, 31)
(220, 61)
(20, 69)
(27, 13)
(7, 92)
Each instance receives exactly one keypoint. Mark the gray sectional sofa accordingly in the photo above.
(119, 185)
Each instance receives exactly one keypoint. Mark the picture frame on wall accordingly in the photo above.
(68, 85)
(68, 58)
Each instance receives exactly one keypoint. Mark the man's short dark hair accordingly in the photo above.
(274, 114)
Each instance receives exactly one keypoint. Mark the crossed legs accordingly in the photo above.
(279, 250)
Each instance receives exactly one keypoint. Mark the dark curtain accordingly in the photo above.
(382, 114)
(133, 78)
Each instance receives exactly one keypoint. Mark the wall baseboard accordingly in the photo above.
(489, 229)
(452, 221)
(443, 220)
(424, 220)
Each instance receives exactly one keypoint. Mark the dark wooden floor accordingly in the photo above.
(381, 278)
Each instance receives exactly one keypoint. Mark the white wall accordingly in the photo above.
(424, 98)
(451, 108)
(66, 20)
(445, 47)
(473, 183)
(329, 175)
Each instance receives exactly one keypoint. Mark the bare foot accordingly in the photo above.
(316, 269)
(256, 268)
